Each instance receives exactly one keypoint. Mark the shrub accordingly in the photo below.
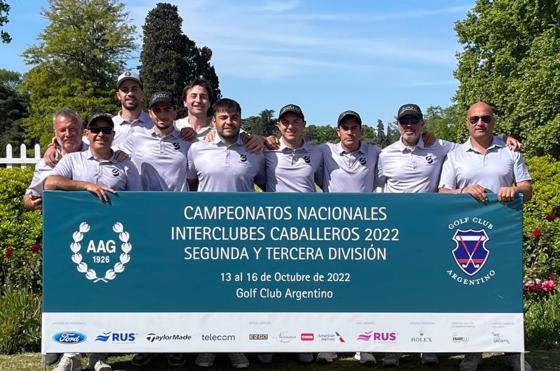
(541, 226)
(20, 321)
(20, 234)
(542, 312)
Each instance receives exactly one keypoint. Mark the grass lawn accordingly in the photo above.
(540, 360)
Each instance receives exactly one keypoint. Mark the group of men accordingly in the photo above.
(208, 152)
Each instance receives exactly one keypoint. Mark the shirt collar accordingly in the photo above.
(174, 133)
(218, 141)
(143, 118)
(340, 150)
(283, 146)
(403, 148)
(90, 156)
(496, 143)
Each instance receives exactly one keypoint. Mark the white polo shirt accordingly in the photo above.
(293, 170)
(416, 169)
(498, 167)
(185, 123)
(83, 166)
(225, 168)
(42, 170)
(161, 161)
(122, 127)
(349, 171)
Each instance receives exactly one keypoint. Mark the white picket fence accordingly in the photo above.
(22, 160)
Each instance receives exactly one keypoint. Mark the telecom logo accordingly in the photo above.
(102, 253)
(69, 337)
(377, 337)
(217, 338)
(117, 337)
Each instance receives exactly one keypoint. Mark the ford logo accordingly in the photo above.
(68, 337)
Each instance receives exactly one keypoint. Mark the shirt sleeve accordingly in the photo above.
(41, 172)
(133, 181)
(520, 170)
(319, 173)
(64, 167)
(191, 168)
(260, 178)
(380, 179)
(448, 178)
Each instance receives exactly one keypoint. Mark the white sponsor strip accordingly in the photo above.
(282, 332)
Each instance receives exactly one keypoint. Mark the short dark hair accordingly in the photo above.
(199, 82)
(226, 104)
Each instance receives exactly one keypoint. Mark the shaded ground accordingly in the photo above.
(541, 361)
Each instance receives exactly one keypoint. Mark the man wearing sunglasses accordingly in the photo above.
(95, 169)
(481, 165)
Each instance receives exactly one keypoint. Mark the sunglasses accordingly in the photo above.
(486, 119)
(410, 121)
(105, 130)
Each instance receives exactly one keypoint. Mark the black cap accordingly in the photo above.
(349, 114)
(161, 96)
(99, 117)
(291, 108)
(409, 110)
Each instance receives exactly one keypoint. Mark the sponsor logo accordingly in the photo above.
(217, 338)
(421, 338)
(498, 339)
(307, 336)
(307, 159)
(117, 337)
(176, 146)
(115, 171)
(332, 337)
(459, 339)
(69, 337)
(243, 157)
(286, 338)
(429, 159)
(470, 252)
(152, 338)
(258, 336)
(100, 252)
(362, 160)
(378, 337)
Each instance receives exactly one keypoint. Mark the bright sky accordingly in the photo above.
(326, 56)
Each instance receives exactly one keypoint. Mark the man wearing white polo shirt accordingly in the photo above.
(159, 153)
(349, 165)
(94, 170)
(224, 165)
(296, 165)
(481, 165)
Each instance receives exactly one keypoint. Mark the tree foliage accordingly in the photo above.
(511, 59)
(4, 12)
(81, 52)
(263, 124)
(13, 108)
(169, 59)
(445, 123)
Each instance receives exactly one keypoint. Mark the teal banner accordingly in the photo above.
(281, 252)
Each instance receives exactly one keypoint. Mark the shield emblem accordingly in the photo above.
(470, 253)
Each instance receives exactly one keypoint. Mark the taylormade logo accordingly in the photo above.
(151, 337)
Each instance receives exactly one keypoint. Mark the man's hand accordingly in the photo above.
(477, 191)
(512, 143)
(210, 136)
(507, 194)
(428, 138)
(121, 156)
(188, 134)
(253, 143)
(32, 202)
(52, 155)
(271, 142)
(100, 191)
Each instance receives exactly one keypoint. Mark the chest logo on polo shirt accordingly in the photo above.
(176, 146)
(362, 160)
(307, 159)
(429, 159)
(115, 171)
(100, 252)
(243, 157)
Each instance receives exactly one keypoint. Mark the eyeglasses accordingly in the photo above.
(105, 130)
(286, 123)
(486, 119)
(410, 121)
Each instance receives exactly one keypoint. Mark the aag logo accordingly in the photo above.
(69, 337)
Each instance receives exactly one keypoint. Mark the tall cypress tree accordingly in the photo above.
(169, 59)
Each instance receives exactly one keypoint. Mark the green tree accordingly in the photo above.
(81, 52)
(169, 59)
(4, 12)
(445, 123)
(263, 124)
(13, 108)
(511, 60)
(380, 137)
